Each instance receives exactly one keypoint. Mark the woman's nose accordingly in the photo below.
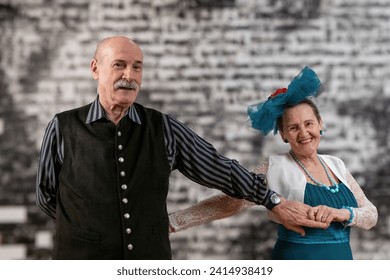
(303, 131)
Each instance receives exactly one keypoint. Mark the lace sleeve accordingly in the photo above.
(213, 208)
(216, 207)
(263, 168)
(366, 214)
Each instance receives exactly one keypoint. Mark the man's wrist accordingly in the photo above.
(272, 199)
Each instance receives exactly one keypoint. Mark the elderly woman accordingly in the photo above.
(321, 181)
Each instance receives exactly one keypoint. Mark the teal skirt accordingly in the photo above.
(285, 250)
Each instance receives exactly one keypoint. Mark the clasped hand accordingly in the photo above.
(326, 214)
(295, 215)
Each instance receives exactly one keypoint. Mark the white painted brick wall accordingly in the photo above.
(204, 66)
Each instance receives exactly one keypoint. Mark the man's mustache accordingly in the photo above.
(133, 85)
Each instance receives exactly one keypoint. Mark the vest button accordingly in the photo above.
(123, 173)
(121, 159)
(130, 247)
(128, 230)
(124, 187)
(119, 133)
(125, 201)
(120, 147)
(126, 216)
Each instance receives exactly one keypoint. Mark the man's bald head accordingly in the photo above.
(108, 42)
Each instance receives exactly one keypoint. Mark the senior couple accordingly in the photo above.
(103, 172)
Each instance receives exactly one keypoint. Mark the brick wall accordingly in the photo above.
(205, 62)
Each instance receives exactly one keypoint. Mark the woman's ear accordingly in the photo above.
(321, 128)
(284, 139)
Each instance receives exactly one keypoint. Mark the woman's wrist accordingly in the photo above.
(351, 215)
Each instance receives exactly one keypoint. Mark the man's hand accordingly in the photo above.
(294, 215)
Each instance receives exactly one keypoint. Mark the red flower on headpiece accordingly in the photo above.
(277, 92)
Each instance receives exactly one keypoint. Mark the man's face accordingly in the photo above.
(118, 69)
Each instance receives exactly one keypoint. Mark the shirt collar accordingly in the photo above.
(96, 112)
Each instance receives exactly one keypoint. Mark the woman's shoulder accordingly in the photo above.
(270, 160)
(279, 157)
(329, 159)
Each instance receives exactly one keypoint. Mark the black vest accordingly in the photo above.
(113, 184)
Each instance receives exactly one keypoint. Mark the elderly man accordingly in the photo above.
(103, 171)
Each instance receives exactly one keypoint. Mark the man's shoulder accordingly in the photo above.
(146, 109)
(75, 113)
(148, 112)
(75, 110)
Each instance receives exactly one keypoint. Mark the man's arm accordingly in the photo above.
(198, 160)
(49, 161)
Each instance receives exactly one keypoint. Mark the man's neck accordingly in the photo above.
(115, 113)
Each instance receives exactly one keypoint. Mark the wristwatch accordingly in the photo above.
(274, 199)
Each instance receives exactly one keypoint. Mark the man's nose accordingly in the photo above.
(128, 74)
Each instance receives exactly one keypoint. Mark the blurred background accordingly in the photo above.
(205, 62)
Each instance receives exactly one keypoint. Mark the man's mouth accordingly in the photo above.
(126, 88)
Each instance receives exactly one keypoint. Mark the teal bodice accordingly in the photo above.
(318, 244)
(337, 232)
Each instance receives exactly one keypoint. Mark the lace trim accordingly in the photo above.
(366, 215)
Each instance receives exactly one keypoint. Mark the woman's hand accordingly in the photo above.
(171, 229)
(294, 216)
(327, 214)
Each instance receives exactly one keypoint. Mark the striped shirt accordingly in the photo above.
(186, 151)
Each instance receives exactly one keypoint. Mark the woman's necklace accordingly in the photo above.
(335, 186)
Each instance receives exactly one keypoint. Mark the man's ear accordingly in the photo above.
(94, 69)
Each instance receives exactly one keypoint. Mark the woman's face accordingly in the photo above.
(301, 129)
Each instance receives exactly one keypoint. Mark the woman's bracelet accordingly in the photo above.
(351, 216)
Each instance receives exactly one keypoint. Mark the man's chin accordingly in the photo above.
(126, 98)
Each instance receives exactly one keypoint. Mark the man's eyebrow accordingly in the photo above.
(119, 60)
(125, 61)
